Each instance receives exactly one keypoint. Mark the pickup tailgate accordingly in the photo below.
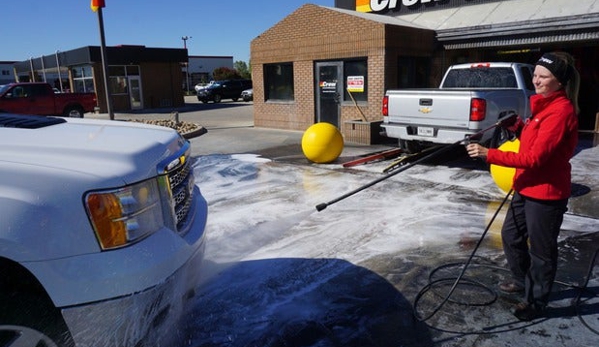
(430, 107)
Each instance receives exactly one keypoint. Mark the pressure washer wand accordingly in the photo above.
(508, 120)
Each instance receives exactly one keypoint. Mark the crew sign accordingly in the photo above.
(394, 5)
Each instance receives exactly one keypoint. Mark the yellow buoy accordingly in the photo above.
(322, 143)
(504, 176)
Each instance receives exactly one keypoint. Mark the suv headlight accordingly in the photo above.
(126, 215)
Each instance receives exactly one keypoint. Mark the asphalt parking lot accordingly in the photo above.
(279, 273)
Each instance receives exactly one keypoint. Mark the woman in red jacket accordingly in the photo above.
(542, 181)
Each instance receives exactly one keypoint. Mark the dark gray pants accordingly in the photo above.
(529, 236)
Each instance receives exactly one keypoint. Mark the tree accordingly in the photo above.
(225, 73)
(242, 69)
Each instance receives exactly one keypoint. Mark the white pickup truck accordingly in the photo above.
(101, 233)
(471, 98)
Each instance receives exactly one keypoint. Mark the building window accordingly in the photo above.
(413, 72)
(356, 78)
(278, 82)
(118, 77)
(83, 79)
(5, 73)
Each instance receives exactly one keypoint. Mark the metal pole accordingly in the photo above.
(32, 70)
(185, 38)
(43, 68)
(104, 64)
(58, 67)
(508, 119)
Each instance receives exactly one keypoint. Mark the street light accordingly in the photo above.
(185, 38)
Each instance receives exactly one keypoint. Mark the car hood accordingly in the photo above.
(115, 152)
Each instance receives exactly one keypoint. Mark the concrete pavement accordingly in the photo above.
(381, 295)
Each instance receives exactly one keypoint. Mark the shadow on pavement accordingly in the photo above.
(302, 302)
(189, 107)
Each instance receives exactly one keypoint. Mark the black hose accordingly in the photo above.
(461, 275)
(577, 301)
(582, 289)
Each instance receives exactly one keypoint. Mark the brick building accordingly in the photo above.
(324, 64)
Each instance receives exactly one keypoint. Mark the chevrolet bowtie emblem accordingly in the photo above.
(425, 110)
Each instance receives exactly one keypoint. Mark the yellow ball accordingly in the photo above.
(322, 143)
(504, 176)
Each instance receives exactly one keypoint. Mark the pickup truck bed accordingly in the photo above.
(472, 97)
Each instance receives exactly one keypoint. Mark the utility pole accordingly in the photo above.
(104, 64)
(185, 38)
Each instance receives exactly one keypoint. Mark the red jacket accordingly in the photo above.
(547, 142)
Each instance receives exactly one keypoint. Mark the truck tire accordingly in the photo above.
(217, 98)
(34, 319)
(28, 313)
(410, 147)
(74, 111)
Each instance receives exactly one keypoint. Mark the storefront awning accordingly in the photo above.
(512, 23)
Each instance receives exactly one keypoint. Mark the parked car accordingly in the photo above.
(226, 89)
(102, 231)
(41, 99)
(201, 86)
(247, 95)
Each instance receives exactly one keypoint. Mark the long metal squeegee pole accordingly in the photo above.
(324, 205)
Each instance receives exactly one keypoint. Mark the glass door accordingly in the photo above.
(329, 84)
(135, 93)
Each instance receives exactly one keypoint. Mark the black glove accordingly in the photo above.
(509, 119)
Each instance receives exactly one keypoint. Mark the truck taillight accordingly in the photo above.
(385, 109)
(478, 110)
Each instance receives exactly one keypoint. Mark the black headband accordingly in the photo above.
(558, 67)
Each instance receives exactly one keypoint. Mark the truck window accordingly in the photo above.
(498, 77)
(39, 90)
(19, 92)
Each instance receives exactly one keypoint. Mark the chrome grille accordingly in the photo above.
(182, 182)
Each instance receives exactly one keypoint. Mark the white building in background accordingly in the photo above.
(202, 66)
(7, 72)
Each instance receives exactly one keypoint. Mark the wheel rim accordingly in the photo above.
(24, 336)
(75, 113)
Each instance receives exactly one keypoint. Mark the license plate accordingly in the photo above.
(426, 131)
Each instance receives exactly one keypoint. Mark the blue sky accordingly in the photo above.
(33, 28)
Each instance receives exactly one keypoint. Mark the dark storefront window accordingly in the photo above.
(83, 79)
(118, 78)
(278, 82)
(356, 78)
(413, 72)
